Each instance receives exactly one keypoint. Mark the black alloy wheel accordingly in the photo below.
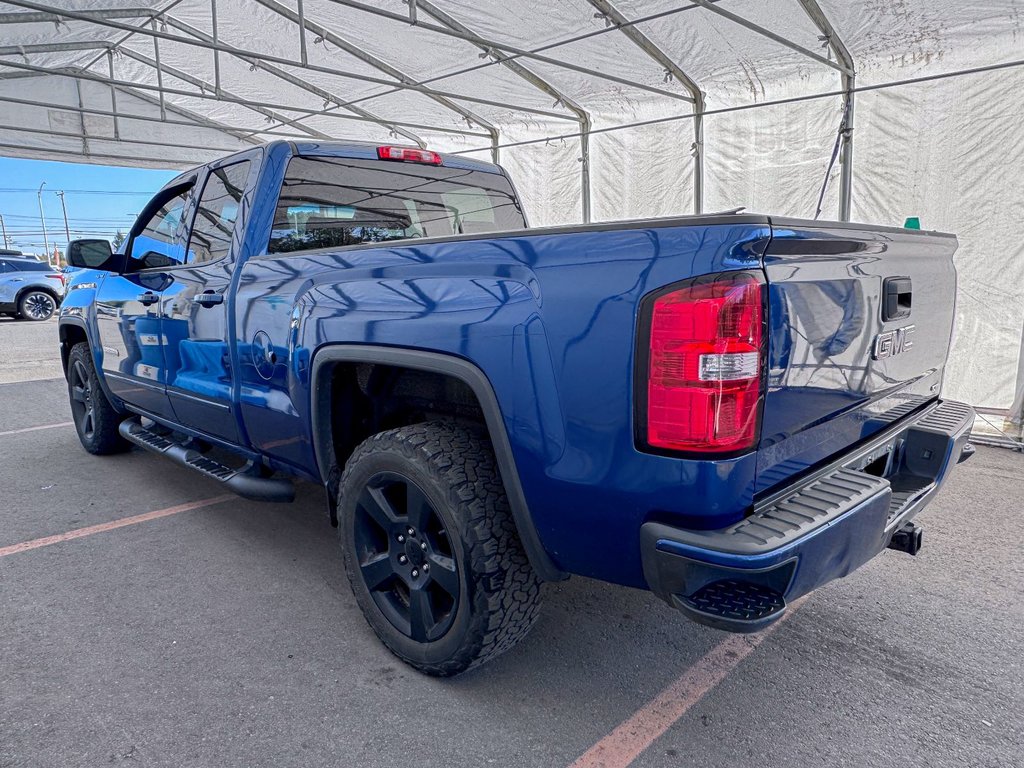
(431, 548)
(405, 557)
(83, 407)
(96, 419)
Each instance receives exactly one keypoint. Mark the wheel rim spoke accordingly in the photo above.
(87, 422)
(374, 503)
(39, 306)
(397, 536)
(377, 572)
(78, 393)
(421, 615)
(443, 573)
(417, 507)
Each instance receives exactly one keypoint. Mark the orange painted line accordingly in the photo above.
(36, 429)
(78, 533)
(628, 741)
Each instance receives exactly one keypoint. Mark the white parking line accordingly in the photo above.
(36, 429)
(90, 530)
(631, 738)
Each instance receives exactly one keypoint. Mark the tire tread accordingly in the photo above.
(106, 439)
(505, 594)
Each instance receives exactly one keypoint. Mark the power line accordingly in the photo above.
(147, 193)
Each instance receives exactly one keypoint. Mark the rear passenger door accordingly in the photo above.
(196, 330)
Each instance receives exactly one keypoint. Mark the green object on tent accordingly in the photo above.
(912, 222)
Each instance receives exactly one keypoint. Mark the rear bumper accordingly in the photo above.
(820, 528)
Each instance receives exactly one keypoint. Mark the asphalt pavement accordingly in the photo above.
(226, 635)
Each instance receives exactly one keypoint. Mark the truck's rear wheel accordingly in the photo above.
(96, 420)
(431, 549)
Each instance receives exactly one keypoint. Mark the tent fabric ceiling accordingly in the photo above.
(79, 81)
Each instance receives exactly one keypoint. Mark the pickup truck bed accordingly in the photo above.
(730, 410)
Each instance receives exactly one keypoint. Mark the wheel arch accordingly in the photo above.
(321, 411)
(70, 332)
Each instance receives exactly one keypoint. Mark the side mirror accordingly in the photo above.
(91, 254)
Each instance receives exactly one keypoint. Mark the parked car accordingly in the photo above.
(29, 289)
(730, 410)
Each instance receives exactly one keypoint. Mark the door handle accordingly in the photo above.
(208, 298)
(147, 298)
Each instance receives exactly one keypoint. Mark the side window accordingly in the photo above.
(35, 266)
(217, 212)
(159, 244)
(3, 266)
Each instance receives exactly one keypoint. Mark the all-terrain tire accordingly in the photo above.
(455, 470)
(96, 419)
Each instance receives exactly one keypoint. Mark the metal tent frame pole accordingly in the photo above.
(265, 57)
(608, 10)
(130, 86)
(194, 120)
(382, 66)
(537, 82)
(509, 48)
(412, 20)
(56, 15)
(753, 27)
(299, 82)
(849, 85)
(222, 95)
(843, 63)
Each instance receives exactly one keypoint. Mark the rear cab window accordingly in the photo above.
(329, 202)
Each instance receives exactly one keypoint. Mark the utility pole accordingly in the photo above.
(42, 220)
(4, 230)
(67, 230)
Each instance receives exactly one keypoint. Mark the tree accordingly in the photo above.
(118, 239)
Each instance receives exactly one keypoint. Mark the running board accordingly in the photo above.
(246, 482)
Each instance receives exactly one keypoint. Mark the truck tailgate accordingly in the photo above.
(859, 322)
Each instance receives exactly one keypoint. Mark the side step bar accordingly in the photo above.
(247, 482)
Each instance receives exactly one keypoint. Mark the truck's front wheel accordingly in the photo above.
(96, 419)
(431, 549)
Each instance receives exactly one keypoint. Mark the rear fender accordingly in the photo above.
(448, 365)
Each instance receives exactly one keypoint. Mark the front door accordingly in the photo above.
(128, 305)
(196, 307)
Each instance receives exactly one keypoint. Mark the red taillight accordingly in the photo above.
(704, 362)
(408, 155)
(58, 276)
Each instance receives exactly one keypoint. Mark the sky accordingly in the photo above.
(100, 200)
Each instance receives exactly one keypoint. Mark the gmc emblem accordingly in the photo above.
(892, 343)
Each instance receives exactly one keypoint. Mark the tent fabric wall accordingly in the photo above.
(949, 151)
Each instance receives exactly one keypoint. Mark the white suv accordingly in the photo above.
(29, 288)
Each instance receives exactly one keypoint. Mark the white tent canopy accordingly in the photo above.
(600, 109)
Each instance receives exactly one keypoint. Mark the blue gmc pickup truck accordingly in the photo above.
(729, 410)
